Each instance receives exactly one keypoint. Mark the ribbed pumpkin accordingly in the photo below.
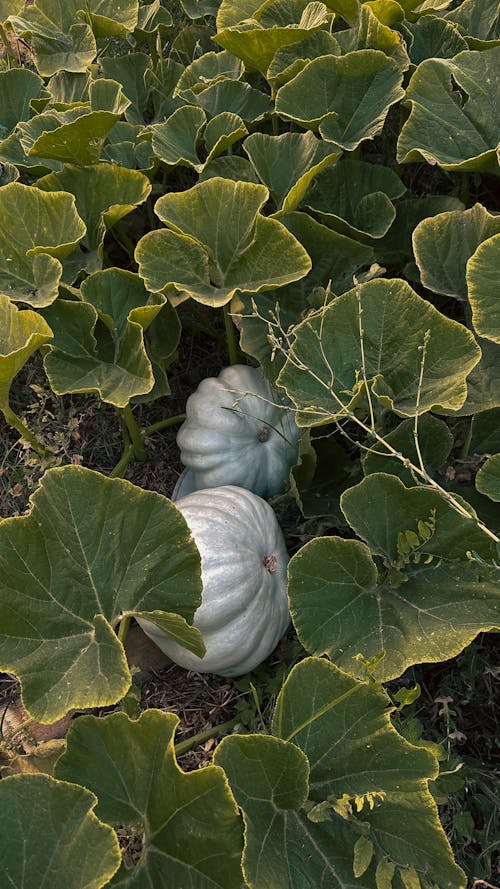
(239, 432)
(244, 609)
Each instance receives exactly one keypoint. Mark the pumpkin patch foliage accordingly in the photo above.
(318, 183)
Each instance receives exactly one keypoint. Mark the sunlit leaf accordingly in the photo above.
(75, 136)
(287, 164)
(347, 98)
(30, 253)
(453, 113)
(175, 140)
(444, 244)
(33, 807)
(421, 605)
(483, 277)
(324, 371)
(370, 32)
(131, 767)
(488, 478)
(59, 43)
(206, 70)
(222, 132)
(90, 550)
(104, 194)
(291, 59)
(108, 358)
(108, 18)
(21, 334)
(236, 97)
(257, 42)
(219, 243)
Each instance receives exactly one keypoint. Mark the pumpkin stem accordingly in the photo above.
(264, 434)
(270, 563)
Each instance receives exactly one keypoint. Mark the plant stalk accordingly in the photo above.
(134, 433)
(163, 424)
(17, 424)
(119, 469)
(232, 342)
(211, 732)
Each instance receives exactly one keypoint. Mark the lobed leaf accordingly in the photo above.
(347, 98)
(453, 121)
(91, 550)
(424, 603)
(46, 830)
(325, 368)
(131, 767)
(47, 229)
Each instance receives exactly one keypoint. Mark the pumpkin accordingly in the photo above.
(244, 610)
(239, 432)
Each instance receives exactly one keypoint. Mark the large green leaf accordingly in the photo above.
(435, 442)
(108, 357)
(17, 88)
(444, 244)
(488, 478)
(91, 550)
(256, 43)
(485, 437)
(222, 132)
(176, 139)
(219, 243)
(291, 59)
(58, 42)
(46, 830)
(323, 373)
(287, 164)
(453, 113)
(337, 771)
(479, 20)
(104, 194)
(421, 601)
(108, 18)
(370, 32)
(206, 70)
(344, 728)
(346, 97)
(237, 97)
(37, 230)
(131, 767)
(432, 38)
(335, 260)
(483, 276)
(132, 72)
(355, 198)
(75, 136)
(21, 334)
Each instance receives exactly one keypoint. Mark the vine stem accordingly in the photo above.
(205, 735)
(16, 422)
(134, 432)
(232, 342)
(163, 424)
(119, 469)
